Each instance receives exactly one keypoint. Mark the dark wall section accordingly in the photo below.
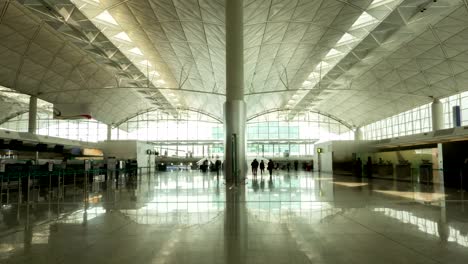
(454, 155)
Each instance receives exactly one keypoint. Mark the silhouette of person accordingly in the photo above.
(254, 165)
(262, 167)
(270, 167)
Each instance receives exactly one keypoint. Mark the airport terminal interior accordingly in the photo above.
(233, 131)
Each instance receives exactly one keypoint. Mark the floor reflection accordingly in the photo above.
(191, 217)
(418, 196)
(440, 229)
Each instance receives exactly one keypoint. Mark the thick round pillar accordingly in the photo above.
(235, 162)
(235, 108)
(32, 123)
(437, 109)
(358, 134)
(109, 132)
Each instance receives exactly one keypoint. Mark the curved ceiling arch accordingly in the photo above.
(215, 118)
(344, 123)
(15, 114)
(361, 61)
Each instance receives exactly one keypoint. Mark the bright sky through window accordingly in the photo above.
(106, 17)
(136, 51)
(146, 62)
(377, 3)
(123, 36)
(332, 53)
(364, 20)
(345, 39)
(153, 73)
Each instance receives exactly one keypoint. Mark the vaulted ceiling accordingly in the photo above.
(356, 60)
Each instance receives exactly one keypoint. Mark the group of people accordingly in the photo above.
(368, 167)
(255, 164)
(216, 166)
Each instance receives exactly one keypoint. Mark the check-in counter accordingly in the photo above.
(384, 170)
(403, 171)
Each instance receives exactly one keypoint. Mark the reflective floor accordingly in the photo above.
(191, 217)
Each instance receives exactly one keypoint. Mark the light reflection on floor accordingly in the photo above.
(351, 184)
(190, 217)
(418, 196)
(427, 226)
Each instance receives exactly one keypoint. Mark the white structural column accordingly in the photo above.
(32, 123)
(109, 132)
(358, 134)
(235, 107)
(437, 115)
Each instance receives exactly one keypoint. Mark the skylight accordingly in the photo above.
(154, 73)
(136, 51)
(377, 3)
(322, 65)
(107, 17)
(146, 63)
(364, 20)
(313, 76)
(123, 36)
(332, 53)
(345, 39)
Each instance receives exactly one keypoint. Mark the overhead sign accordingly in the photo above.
(72, 111)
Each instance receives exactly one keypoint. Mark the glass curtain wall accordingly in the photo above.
(411, 122)
(278, 134)
(461, 100)
(417, 120)
(187, 134)
(83, 130)
(193, 134)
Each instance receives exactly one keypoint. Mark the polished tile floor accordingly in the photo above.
(191, 217)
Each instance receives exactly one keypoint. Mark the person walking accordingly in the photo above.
(262, 167)
(270, 167)
(296, 165)
(217, 167)
(254, 165)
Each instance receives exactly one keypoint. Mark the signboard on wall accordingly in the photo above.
(72, 111)
(92, 152)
